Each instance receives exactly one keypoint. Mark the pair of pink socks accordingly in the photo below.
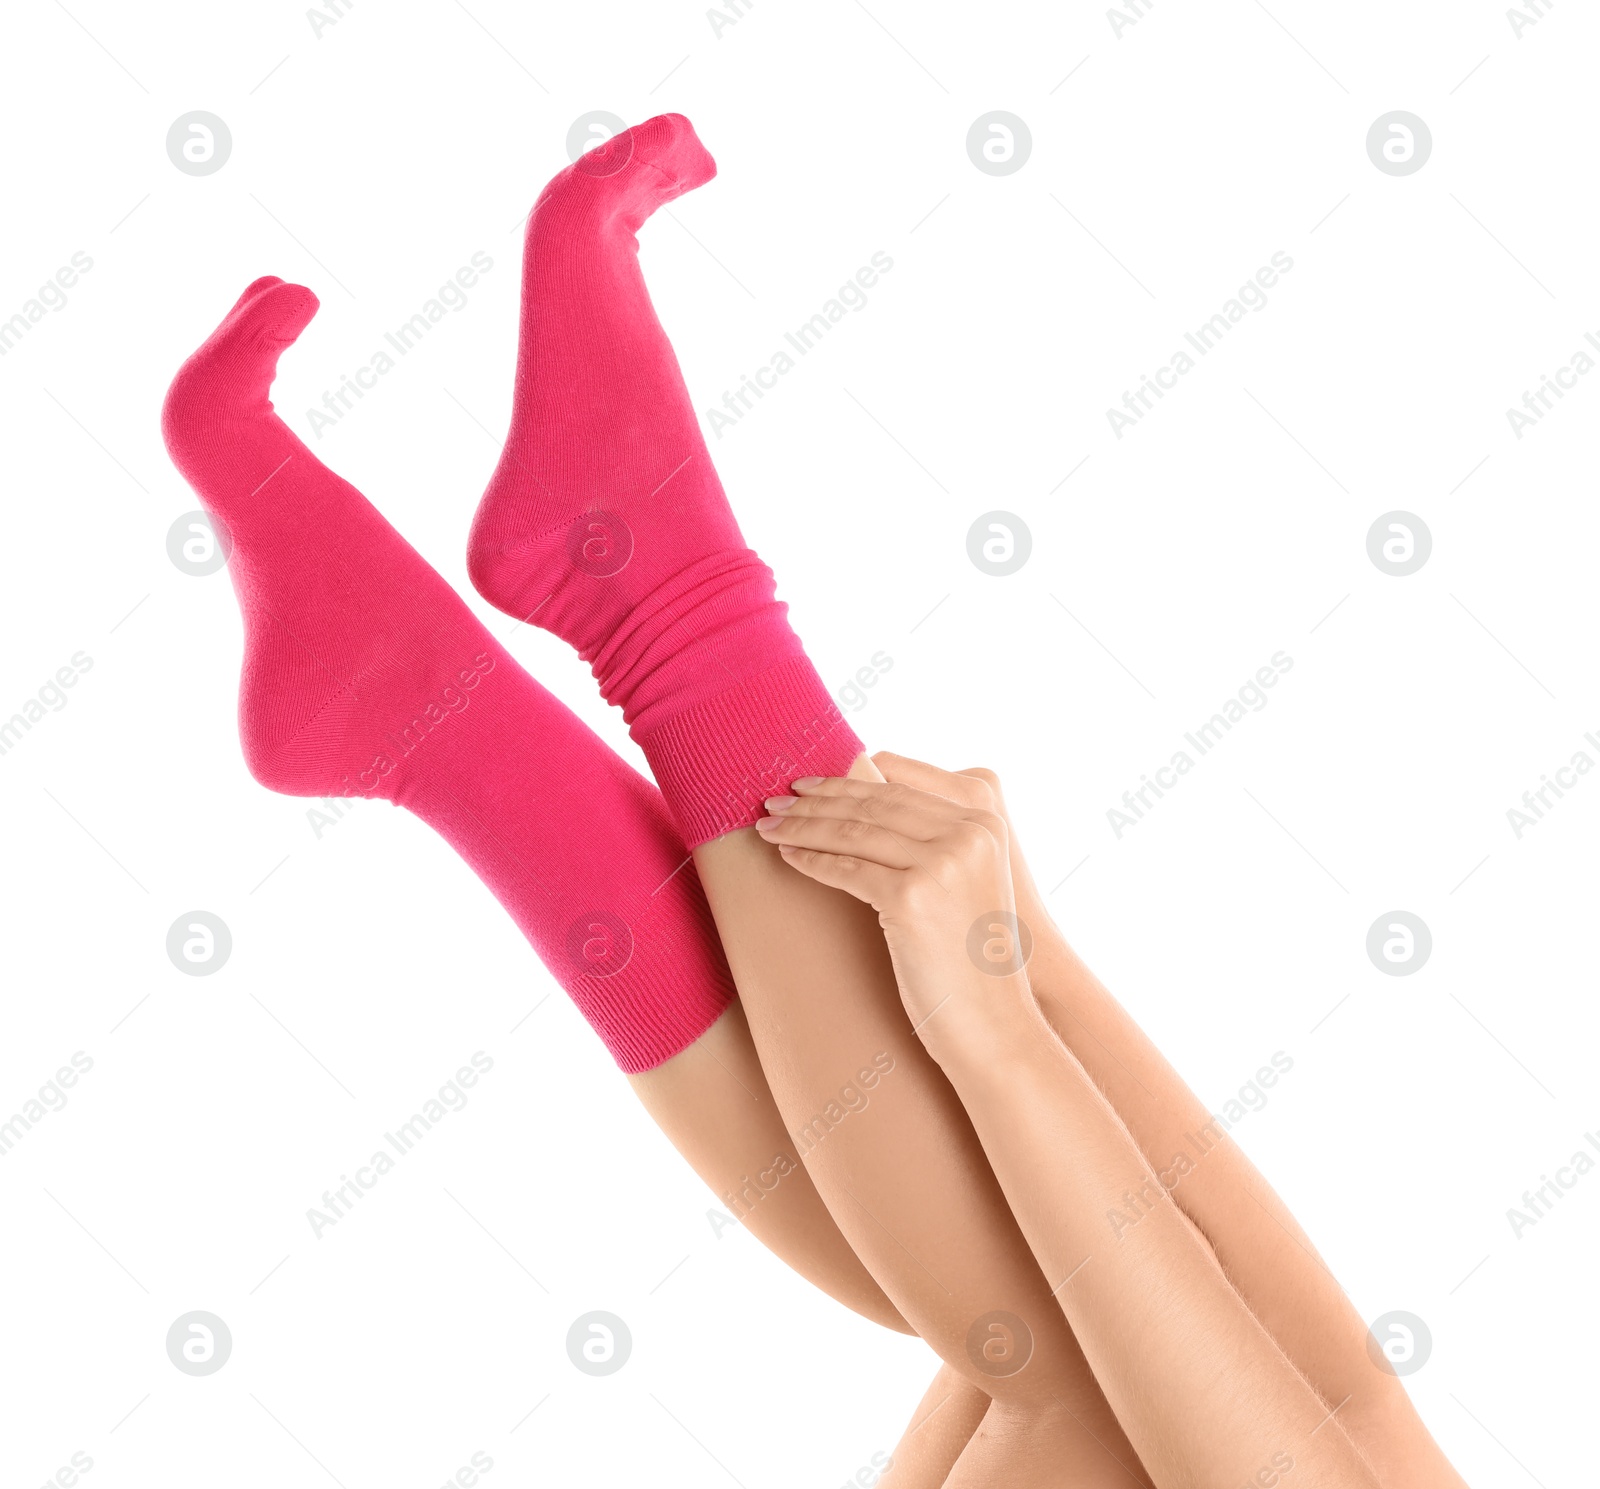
(365, 674)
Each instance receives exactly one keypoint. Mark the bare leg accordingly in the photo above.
(897, 1162)
(713, 1103)
(1205, 1393)
(944, 1422)
(1261, 1247)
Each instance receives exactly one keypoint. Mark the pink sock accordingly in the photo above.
(605, 521)
(365, 675)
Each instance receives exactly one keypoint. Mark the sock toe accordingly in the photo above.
(669, 143)
(605, 521)
(635, 171)
(276, 315)
(251, 290)
(232, 372)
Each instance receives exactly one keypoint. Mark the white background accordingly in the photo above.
(370, 163)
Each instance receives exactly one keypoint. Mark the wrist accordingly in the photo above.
(987, 1028)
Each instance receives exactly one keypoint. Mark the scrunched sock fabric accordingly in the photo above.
(605, 521)
(365, 675)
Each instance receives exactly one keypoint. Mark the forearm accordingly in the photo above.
(1155, 1316)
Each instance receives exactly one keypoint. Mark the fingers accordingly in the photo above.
(884, 840)
(832, 786)
(869, 882)
(903, 810)
(874, 795)
(852, 836)
(972, 788)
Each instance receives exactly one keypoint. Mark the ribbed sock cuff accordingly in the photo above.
(673, 986)
(717, 762)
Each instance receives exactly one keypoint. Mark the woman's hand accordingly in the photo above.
(980, 789)
(938, 873)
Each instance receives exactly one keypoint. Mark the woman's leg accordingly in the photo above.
(945, 1421)
(714, 1105)
(605, 523)
(365, 674)
(897, 1162)
(1204, 1392)
(1261, 1247)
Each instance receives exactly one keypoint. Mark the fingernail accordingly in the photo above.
(781, 803)
(767, 824)
(787, 848)
(806, 783)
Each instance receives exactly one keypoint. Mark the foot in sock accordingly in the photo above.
(365, 675)
(605, 521)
